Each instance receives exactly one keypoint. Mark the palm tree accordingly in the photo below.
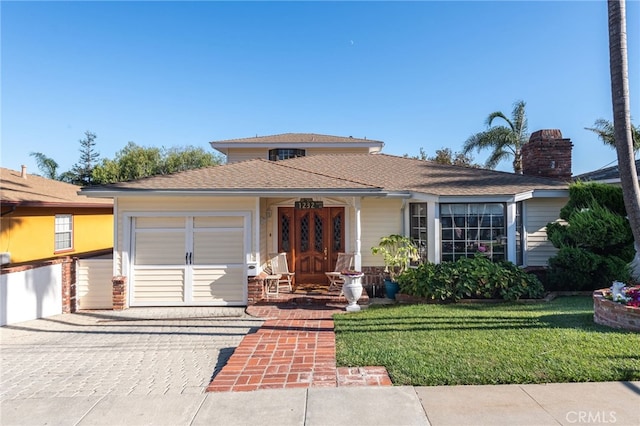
(48, 166)
(506, 141)
(622, 120)
(605, 131)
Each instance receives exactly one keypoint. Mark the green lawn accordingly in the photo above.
(488, 343)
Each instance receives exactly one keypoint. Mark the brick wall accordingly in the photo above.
(615, 315)
(547, 154)
(255, 286)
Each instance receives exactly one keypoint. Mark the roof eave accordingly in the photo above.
(272, 145)
(249, 192)
(45, 204)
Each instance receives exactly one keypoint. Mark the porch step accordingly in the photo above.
(301, 299)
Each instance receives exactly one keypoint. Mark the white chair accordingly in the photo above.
(280, 267)
(344, 261)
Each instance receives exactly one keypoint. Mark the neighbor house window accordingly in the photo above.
(63, 232)
(469, 229)
(285, 153)
(418, 228)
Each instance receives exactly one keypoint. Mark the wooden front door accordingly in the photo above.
(312, 239)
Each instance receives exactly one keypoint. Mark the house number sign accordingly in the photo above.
(308, 203)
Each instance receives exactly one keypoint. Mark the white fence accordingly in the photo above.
(30, 294)
(93, 283)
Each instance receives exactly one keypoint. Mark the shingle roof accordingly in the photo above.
(39, 191)
(340, 172)
(608, 174)
(298, 138)
(252, 175)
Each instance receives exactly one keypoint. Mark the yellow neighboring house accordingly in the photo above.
(45, 219)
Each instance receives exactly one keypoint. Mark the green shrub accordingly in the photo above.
(595, 244)
(476, 277)
(578, 269)
(583, 195)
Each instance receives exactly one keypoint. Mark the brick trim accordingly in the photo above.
(613, 314)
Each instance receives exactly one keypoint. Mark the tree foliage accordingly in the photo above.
(81, 172)
(594, 244)
(446, 156)
(606, 133)
(505, 141)
(135, 162)
(47, 166)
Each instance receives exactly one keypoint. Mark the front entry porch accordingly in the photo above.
(301, 295)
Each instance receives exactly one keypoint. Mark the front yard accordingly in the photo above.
(451, 344)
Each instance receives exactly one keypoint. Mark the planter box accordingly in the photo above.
(613, 314)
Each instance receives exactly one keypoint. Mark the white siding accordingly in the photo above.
(94, 289)
(379, 217)
(539, 212)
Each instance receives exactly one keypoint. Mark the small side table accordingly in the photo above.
(271, 284)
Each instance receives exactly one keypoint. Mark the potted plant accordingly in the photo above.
(397, 251)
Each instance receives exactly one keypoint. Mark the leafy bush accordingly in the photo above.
(476, 277)
(595, 244)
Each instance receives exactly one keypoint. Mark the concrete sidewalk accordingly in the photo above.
(608, 403)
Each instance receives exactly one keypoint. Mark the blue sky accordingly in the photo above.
(412, 74)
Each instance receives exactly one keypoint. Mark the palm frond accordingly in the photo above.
(495, 158)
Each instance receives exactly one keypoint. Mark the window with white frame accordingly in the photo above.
(469, 229)
(418, 230)
(63, 232)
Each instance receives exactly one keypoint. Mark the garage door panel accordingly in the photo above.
(218, 222)
(218, 285)
(166, 285)
(160, 223)
(218, 247)
(160, 248)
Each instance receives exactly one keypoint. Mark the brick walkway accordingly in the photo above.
(294, 348)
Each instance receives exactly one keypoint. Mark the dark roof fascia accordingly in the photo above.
(42, 204)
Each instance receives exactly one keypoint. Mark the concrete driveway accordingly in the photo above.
(140, 351)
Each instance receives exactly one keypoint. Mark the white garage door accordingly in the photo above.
(183, 261)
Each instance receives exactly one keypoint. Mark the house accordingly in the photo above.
(200, 237)
(610, 175)
(45, 219)
(44, 227)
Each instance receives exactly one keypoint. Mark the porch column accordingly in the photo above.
(357, 254)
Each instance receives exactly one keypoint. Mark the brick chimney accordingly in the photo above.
(547, 154)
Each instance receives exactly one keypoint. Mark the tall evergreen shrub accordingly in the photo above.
(595, 242)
